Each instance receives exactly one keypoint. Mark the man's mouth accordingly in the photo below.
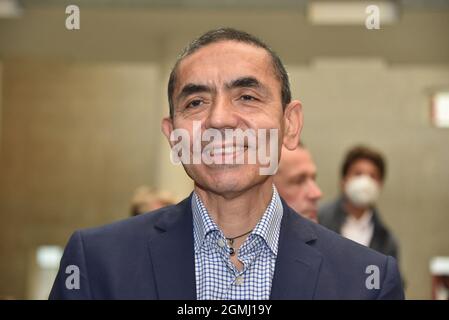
(229, 150)
(225, 154)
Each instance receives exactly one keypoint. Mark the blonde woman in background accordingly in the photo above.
(146, 199)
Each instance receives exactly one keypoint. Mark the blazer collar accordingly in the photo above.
(172, 255)
(298, 263)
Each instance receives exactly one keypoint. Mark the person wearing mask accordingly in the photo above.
(354, 213)
(296, 182)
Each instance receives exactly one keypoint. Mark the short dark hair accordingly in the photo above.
(363, 152)
(224, 34)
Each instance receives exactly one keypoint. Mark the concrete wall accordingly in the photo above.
(77, 140)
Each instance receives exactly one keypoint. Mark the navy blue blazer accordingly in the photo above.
(151, 256)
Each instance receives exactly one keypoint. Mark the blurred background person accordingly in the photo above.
(354, 214)
(146, 199)
(296, 182)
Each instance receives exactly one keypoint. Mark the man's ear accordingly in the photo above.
(293, 120)
(167, 128)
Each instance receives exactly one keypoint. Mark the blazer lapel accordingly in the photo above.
(297, 263)
(172, 254)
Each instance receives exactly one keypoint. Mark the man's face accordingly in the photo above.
(230, 85)
(295, 181)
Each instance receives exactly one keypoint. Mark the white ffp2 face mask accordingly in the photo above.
(362, 191)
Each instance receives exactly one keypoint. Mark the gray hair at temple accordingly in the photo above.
(224, 34)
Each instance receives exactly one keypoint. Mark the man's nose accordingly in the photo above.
(314, 191)
(221, 114)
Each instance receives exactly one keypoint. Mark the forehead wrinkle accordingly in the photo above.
(258, 60)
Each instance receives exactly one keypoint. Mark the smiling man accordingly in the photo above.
(233, 237)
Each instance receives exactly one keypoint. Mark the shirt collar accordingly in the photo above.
(202, 222)
(268, 228)
(364, 221)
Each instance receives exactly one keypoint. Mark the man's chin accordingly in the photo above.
(311, 215)
(231, 181)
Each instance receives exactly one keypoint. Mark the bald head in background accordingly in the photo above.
(295, 181)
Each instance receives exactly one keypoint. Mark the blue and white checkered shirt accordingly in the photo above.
(216, 276)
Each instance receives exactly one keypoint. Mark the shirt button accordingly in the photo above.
(239, 280)
(221, 243)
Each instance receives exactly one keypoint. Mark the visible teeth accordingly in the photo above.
(227, 150)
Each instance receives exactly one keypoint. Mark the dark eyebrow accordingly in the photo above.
(245, 82)
(249, 82)
(192, 88)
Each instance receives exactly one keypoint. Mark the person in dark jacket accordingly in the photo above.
(234, 237)
(354, 213)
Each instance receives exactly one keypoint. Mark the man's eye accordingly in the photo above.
(247, 97)
(194, 103)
